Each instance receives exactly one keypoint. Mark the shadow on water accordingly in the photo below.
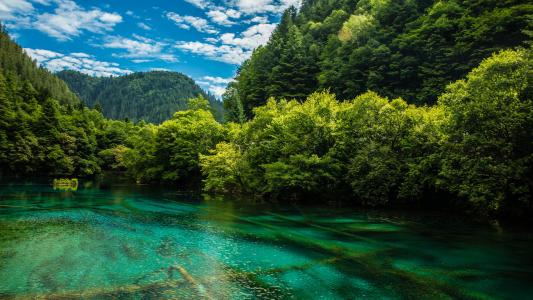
(109, 240)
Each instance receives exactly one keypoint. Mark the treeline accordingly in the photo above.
(409, 49)
(17, 68)
(39, 136)
(150, 96)
(44, 128)
(473, 149)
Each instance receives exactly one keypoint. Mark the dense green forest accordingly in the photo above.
(18, 68)
(44, 128)
(149, 96)
(474, 149)
(409, 48)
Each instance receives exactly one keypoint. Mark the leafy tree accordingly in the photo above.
(407, 49)
(488, 151)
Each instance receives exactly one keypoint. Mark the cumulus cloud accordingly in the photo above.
(215, 85)
(140, 48)
(224, 17)
(199, 3)
(251, 38)
(223, 53)
(217, 80)
(218, 91)
(264, 6)
(230, 48)
(186, 22)
(69, 20)
(10, 8)
(82, 62)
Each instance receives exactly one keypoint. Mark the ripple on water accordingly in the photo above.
(101, 244)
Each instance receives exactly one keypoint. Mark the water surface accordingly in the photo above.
(124, 242)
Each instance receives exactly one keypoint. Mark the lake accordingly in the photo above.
(129, 242)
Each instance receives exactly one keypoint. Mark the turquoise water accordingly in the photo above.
(124, 242)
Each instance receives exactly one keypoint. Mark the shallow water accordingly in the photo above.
(125, 242)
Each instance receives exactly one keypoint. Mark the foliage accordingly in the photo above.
(488, 151)
(408, 49)
(19, 69)
(475, 146)
(170, 152)
(151, 96)
(43, 131)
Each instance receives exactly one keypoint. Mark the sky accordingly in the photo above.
(204, 39)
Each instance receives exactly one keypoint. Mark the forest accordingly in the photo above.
(150, 96)
(373, 103)
(409, 49)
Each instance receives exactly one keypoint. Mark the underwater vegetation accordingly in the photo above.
(141, 243)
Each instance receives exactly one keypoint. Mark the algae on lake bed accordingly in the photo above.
(132, 243)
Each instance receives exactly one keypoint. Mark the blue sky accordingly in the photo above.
(204, 39)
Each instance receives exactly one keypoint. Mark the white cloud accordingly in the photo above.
(257, 19)
(10, 8)
(251, 38)
(264, 6)
(41, 55)
(69, 20)
(80, 54)
(217, 80)
(138, 47)
(143, 26)
(223, 53)
(215, 85)
(139, 61)
(223, 17)
(186, 22)
(218, 91)
(82, 62)
(199, 3)
(228, 47)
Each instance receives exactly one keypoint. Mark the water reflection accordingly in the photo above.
(135, 242)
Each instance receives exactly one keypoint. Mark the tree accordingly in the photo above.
(488, 153)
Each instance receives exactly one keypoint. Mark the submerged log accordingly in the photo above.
(202, 290)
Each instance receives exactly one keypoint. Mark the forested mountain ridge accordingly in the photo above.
(410, 49)
(150, 96)
(44, 128)
(19, 68)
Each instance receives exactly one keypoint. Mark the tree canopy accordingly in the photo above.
(150, 96)
(410, 49)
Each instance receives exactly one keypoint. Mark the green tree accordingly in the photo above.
(488, 152)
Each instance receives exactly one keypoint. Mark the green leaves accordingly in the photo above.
(487, 152)
(170, 151)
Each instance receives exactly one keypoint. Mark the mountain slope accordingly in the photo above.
(410, 48)
(44, 130)
(150, 96)
(18, 67)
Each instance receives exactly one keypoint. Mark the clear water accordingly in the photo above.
(124, 242)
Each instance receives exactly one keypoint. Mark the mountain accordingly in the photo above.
(410, 48)
(17, 67)
(149, 96)
(44, 129)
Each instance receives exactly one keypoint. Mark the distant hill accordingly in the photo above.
(150, 96)
(19, 68)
